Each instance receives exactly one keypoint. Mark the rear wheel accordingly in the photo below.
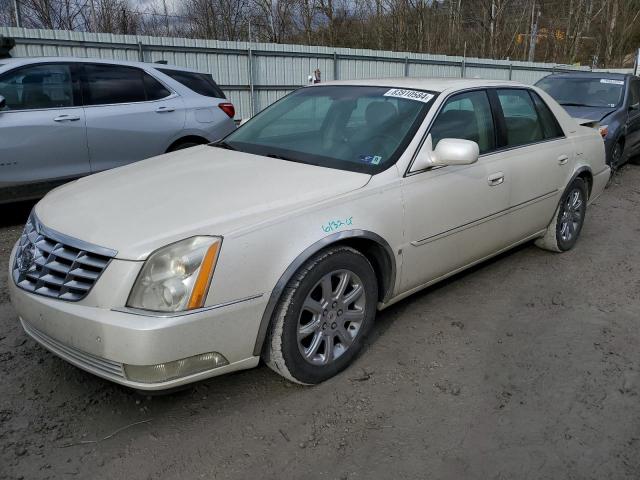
(564, 230)
(324, 315)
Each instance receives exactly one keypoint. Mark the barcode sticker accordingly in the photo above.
(409, 94)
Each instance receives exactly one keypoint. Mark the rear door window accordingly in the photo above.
(155, 90)
(198, 82)
(522, 121)
(112, 84)
(37, 87)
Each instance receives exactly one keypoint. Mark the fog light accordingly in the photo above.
(163, 372)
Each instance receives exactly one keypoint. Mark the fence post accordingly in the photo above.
(463, 68)
(140, 52)
(252, 105)
(336, 75)
(406, 66)
(510, 71)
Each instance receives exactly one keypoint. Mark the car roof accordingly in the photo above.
(431, 84)
(29, 60)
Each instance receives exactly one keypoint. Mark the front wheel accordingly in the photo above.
(617, 155)
(323, 317)
(563, 231)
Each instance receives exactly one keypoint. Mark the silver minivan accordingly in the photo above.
(63, 118)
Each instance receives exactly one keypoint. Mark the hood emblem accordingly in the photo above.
(27, 258)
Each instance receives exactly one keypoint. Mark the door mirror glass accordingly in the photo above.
(3, 102)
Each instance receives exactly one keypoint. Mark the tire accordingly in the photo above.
(617, 155)
(182, 146)
(338, 326)
(568, 219)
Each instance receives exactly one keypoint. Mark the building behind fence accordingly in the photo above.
(255, 75)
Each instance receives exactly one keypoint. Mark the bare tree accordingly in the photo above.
(602, 32)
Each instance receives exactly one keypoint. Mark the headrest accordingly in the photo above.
(378, 113)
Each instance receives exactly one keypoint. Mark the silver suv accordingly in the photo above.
(62, 118)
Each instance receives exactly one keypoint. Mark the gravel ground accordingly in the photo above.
(527, 367)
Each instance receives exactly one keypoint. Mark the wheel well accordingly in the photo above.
(373, 247)
(187, 139)
(379, 259)
(588, 178)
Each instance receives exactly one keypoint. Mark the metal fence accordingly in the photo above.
(255, 75)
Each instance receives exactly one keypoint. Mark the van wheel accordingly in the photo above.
(564, 230)
(324, 316)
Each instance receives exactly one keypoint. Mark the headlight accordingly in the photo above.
(176, 277)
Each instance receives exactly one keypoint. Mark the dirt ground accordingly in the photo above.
(527, 367)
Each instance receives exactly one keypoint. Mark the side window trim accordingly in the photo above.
(498, 119)
(499, 126)
(85, 86)
(75, 86)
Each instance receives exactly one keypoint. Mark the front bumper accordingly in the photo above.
(102, 340)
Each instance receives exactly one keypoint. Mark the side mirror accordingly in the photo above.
(3, 102)
(449, 151)
(635, 106)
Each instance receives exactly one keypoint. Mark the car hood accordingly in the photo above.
(589, 113)
(198, 191)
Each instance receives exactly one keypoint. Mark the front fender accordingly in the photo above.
(309, 252)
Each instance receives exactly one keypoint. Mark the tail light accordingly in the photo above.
(228, 108)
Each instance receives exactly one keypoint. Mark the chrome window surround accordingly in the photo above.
(409, 173)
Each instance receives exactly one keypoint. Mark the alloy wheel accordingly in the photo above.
(571, 215)
(331, 317)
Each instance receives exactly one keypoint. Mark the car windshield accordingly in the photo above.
(356, 128)
(584, 92)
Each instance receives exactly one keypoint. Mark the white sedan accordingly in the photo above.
(282, 241)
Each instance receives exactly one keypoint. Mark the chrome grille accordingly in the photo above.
(52, 264)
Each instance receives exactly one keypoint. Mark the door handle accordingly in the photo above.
(66, 118)
(165, 109)
(496, 179)
(562, 159)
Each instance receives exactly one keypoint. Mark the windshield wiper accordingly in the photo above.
(224, 145)
(572, 104)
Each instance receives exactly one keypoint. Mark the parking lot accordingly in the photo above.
(524, 367)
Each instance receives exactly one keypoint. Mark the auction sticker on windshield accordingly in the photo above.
(409, 94)
(612, 82)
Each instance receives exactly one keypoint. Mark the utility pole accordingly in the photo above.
(16, 9)
(534, 35)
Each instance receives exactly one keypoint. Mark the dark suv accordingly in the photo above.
(612, 99)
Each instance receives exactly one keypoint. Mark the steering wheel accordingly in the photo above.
(380, 144)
